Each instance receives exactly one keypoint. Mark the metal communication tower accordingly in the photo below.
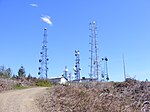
(65, 72)
(104, 74)
(44, 57)
(94, 61)
(77, 68)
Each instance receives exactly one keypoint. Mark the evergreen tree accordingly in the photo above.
(8, 73)
(29, 77)
(2, 69)
(21, 72)
(14, 76)
(5, 73)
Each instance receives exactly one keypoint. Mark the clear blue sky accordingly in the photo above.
(123, 27)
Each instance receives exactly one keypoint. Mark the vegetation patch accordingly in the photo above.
(43, 83)
(19, 86)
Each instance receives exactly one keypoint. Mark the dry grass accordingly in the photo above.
(129, 96)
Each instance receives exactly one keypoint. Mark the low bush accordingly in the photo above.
(43, 83)
(19, 86)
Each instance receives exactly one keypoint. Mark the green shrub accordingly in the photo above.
(43, 83)
(19, 86)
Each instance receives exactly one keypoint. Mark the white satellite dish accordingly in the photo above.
(74, 68)
(66, 70)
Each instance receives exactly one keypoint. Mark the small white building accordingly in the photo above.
(63, 80)
(59, 80)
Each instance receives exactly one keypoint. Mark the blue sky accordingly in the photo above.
(123, 27)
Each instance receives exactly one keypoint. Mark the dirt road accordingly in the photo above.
(20, 100)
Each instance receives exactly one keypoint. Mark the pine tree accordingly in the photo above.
(21, 72)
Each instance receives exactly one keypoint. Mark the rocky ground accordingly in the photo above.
(128, 96)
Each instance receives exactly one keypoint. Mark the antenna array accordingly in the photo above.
(94, 62)
(65, 72)
(44, 57)
(77, 68)
(104, 74)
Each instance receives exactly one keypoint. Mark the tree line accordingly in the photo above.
(7, 73)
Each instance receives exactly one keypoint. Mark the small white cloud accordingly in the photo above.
(34, 5)
(46, 19)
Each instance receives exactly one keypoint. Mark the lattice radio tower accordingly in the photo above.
(94, 61)
(44, 57)
(104, 70)
(77, 68)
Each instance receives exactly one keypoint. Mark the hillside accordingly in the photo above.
(128, 96)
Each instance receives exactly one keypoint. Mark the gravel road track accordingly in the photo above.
(20, 100)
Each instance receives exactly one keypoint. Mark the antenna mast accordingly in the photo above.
(77, 68)
(124, 68)
(44, 57)
(94, 61)
(104, 74)
(65, 72)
